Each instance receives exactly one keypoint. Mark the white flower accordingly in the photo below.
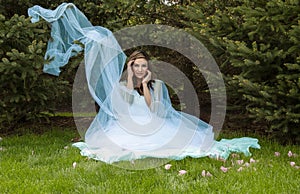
(277, 154)
(204, 174)
(292, 163)
(208, 174)
(240, 169)
(168, 166)
(246, 164)
(252, 160)
(224, 169)
(182, 172)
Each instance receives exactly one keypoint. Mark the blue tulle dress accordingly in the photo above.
(125, 128)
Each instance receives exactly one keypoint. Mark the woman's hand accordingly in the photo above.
(129, 69)
(147, 78)
(129, 75)
(147, 93)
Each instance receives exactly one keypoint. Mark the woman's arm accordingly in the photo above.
(129, 75)
(129, 83)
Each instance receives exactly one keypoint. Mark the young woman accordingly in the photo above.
(144, 119)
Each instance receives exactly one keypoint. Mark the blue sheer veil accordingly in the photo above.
(104, 59)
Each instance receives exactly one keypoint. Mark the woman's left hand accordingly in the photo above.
(147, 78)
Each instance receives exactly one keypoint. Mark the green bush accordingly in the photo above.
(25, 91)
(257, 46)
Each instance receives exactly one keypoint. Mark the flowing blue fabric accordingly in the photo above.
(126, 128)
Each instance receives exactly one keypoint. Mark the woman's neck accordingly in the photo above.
(138, 82)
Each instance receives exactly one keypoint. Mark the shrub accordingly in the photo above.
(25, 91)
(257, 46)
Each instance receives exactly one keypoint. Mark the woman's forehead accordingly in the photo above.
(141, 61)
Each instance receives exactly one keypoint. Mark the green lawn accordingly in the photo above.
(43, 163)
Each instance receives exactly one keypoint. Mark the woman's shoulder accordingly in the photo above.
(158, 84)
(158, 81)
(123, 82)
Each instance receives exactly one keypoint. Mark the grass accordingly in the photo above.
(42, 163)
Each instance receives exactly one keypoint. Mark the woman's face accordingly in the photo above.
(139, 68)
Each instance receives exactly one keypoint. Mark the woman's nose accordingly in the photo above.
(140, 69)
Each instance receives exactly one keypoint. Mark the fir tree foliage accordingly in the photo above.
(25, 91)
(257, 46)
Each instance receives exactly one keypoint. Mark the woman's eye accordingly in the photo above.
(138, 65)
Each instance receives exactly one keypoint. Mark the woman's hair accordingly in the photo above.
(139, 54)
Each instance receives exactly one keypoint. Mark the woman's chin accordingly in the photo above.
(139, 76)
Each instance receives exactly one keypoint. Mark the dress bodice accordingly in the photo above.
(139, 110)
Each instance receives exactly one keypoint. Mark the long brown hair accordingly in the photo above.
(139, 54)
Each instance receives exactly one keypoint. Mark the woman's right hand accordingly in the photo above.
(129, 69)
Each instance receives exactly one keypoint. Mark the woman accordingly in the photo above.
(144, 123)
(136, 119)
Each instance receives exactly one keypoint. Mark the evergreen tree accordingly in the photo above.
(257, 46)
(25, 91)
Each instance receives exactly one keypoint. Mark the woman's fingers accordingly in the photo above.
(149, 74)
(128, 64)
(129, 68)
(147, 78)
